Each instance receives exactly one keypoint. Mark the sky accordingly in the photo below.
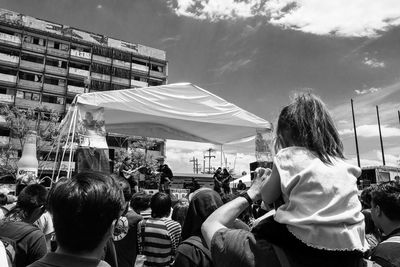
(258, 53)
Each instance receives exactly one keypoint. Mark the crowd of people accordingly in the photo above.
(305, 211)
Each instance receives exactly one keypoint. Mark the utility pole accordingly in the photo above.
(355, 134)
(380, 136)
(195, 164)
(209, 158)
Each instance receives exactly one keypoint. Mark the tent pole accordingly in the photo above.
(221, 156)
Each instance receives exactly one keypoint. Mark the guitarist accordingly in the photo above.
(218, 180)
(226, 177)
(125, 171)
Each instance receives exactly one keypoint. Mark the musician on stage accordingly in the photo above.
(165, 178)
(126, 171)
(218, 180)
(226, 177)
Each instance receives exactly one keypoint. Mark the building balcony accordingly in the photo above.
(56, 70)
(140, 68)
(101, 59)
(31, 65)
(157, 74)
(138, 83)
(80, 55)
(8, 99)
(78, 72)
(10, 39)
(7, 78)
(75, 89)
(34, 47)
(120, 81)
(30, 85)
(8, 60)
(51, 88)
(121, 64)
(57, 52)
(101, 77)
(53, 106)
(25, 103)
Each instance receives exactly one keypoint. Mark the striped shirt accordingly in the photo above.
(158, 240)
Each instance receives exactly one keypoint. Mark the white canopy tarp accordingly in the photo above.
(180, 111)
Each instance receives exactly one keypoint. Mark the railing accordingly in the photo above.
(139, 67)
(34, 47)
(78, 72)
(101, 59)
(102, 77)
(75, 89)
(8, 78)
(6, 98)
(80, 54)
(32, 65)
(121, 81)
(20, 102)
(57, 52)
(6, 59)
(30, 84)
(10, 39)
(51, 88)
(138, 83)
(56, 70)
(120, 63)
(157, 74)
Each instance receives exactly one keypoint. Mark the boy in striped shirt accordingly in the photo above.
(159, 236)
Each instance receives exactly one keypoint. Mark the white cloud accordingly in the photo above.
(340, 17)
(372, 131)
(373, 63)
(232, 66)
(367, 91)
(99, 7)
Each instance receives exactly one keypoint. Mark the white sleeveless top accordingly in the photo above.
(321, 207)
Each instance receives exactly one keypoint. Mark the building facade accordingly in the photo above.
(46, 64)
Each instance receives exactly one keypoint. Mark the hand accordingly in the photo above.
(261, 176)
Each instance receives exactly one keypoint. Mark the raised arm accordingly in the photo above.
(225, 215)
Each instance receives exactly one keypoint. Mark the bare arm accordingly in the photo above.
(271, 189)
(225, 215)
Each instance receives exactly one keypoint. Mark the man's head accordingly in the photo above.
(240, 181)
(160, 205)
(32, 202)
(140, 202)
(385, 205)
(84, 209)
(397, 179)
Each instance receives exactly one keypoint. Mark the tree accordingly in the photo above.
(138, 147)
(19, 121)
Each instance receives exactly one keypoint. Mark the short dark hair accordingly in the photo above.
(160, 205)
(387, 196)
(365, 196)
(125, 187)
(83, 209)
(32, 197)
(307, 123)
(140, 201)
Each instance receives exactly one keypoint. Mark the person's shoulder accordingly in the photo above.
(172, 223)
(388, 251)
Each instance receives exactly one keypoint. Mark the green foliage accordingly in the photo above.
(19, 121)
(137, 151)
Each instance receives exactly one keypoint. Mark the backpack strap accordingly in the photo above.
(196, 241)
